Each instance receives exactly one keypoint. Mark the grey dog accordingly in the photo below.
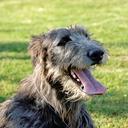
(54, 95)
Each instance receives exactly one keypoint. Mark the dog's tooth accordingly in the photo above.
(78, 80)
(74, 76)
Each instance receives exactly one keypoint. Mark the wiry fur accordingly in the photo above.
(49, 98)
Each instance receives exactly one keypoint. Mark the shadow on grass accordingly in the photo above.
(13, 46)
(2, 99)
(17, 47)
(15, 57)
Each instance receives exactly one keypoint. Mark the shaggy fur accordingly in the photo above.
(49, 98)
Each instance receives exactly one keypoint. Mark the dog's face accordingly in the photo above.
(69, 54)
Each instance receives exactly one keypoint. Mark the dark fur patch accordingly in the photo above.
(56, 84)
(26, 113)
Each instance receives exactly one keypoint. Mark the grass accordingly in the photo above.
(108, 20)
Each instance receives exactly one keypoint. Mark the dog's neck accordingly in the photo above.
(68, 111)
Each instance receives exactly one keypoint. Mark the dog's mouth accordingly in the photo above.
(87, 83)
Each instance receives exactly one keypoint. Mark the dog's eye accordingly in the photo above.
(86, 35)
(64, 40)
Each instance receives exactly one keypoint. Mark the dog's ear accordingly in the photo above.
(35, 48)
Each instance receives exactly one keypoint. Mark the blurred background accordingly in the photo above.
(106, 20)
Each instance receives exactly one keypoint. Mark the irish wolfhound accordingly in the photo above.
(54, 95)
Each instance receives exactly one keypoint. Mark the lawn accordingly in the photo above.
(107, 20)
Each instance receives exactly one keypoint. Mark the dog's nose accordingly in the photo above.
(95, 55)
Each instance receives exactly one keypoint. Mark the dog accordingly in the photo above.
(54, 95)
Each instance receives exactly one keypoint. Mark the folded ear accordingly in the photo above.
(35, 48)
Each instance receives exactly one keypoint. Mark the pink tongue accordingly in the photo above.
(91, 86)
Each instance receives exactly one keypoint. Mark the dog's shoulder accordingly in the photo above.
(3, 108)
(26, 113)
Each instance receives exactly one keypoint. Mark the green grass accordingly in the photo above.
(108, 20)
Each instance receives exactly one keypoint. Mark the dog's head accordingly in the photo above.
(66, 55)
